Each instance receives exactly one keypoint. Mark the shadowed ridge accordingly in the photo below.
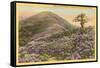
(43, 23)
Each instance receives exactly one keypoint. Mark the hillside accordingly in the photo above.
(42, 24)
(46, 37)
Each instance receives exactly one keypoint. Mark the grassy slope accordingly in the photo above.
(39, 23)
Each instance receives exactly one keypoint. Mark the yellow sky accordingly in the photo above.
(67, 12)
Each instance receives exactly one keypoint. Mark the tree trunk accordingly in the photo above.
(82, 25)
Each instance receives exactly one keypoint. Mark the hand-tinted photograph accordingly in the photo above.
(54, 33)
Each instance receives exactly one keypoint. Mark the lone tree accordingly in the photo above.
(82, 18)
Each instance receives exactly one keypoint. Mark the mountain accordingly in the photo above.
(42, 25)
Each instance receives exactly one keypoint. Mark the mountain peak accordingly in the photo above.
(46, 12)
(42, 24)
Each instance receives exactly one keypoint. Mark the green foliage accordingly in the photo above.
(26, 32)
(44, 57)
(82, 18)
(71, 43)
(76, 45)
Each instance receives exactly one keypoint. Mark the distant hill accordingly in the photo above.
(42, 25)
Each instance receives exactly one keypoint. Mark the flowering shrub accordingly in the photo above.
(76, 45)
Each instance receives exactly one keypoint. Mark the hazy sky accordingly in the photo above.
(57, 9)
(67, 12)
